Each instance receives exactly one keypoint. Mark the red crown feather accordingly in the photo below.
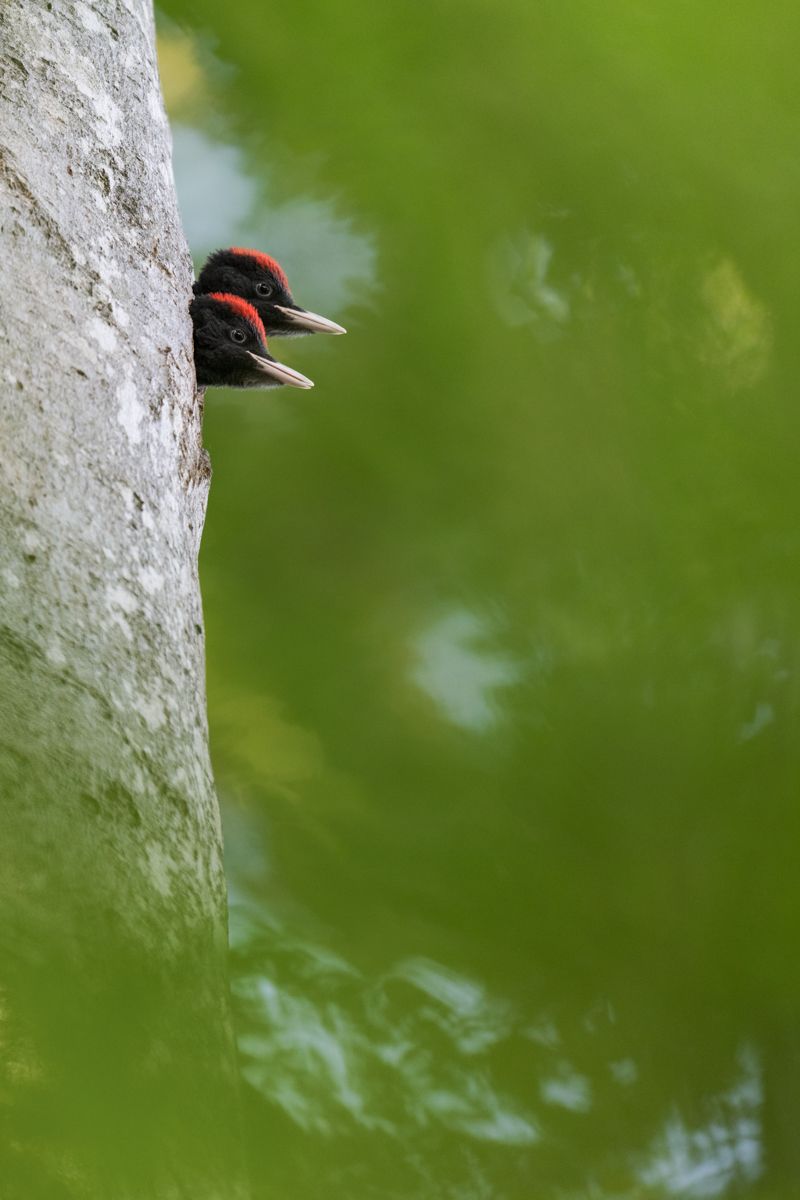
(265, 261)
(242, 309)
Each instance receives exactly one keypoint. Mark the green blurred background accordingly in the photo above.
(502, 618)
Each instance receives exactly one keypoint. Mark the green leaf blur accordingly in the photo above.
(502, 618)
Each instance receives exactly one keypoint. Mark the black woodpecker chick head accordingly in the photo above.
(261, 281)
(230, 346)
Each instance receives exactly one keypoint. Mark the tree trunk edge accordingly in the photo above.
(114, 888)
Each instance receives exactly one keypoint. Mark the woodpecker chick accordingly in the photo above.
(230, 346)
(261, 281)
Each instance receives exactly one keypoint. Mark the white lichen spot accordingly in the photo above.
(107, 268)
(159, 868)
(86, 80)
(104, 249)
(126, 496)
(110, 114)
(151, 711)
(138, 780)
(89, 19)
(131, 411)
(55, 654)
(11, 577)
(151, 580)
(121, 316)
(102, 333)
(118, 596)
(31, 541)
(154, 105)
(121, 624)
(180, 780)
(165, 429)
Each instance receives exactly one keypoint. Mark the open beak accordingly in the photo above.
(280, 373)
(313, 322)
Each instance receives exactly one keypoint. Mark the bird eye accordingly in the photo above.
(264, 289)
(237, 335)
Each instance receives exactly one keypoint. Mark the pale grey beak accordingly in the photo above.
(313, 322)
(281, 373)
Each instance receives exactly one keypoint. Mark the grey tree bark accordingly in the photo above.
(117, 1070)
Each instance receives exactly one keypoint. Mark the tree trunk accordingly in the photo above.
(117, 1070)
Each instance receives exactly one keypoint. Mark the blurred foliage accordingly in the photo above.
(502, 618)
